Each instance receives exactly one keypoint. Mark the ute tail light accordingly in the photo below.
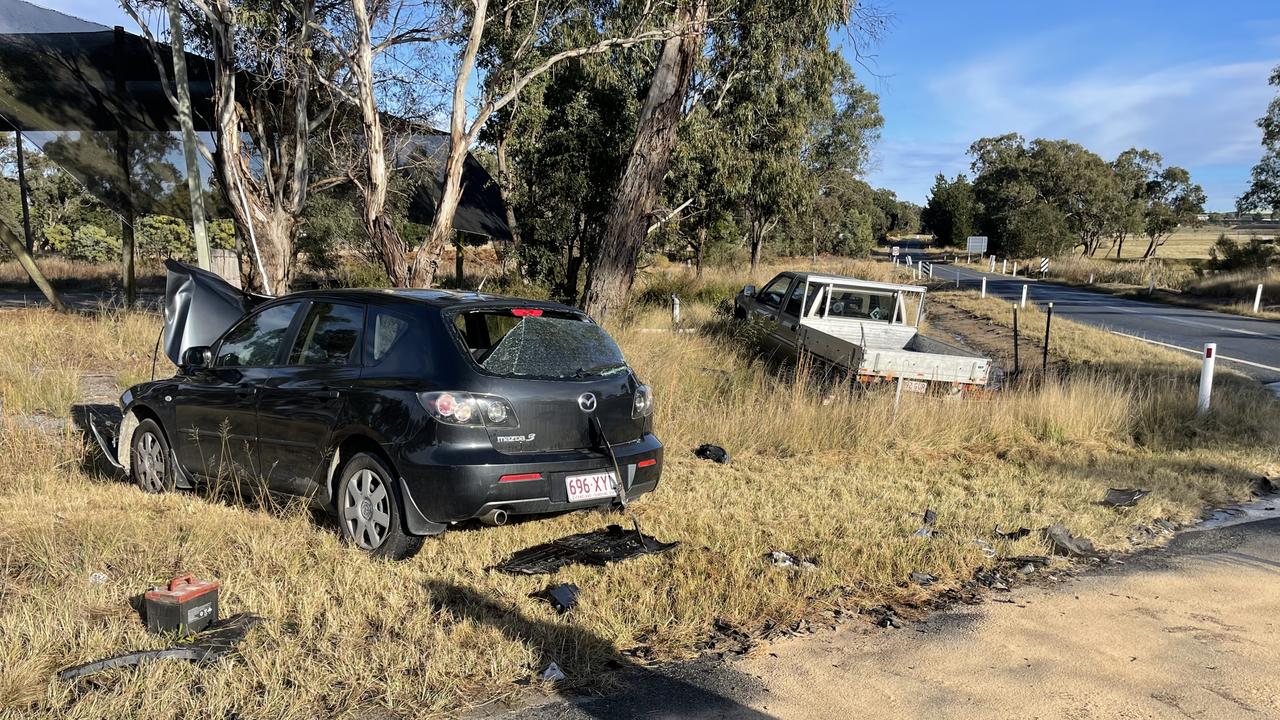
(642, 402)
(470, 409)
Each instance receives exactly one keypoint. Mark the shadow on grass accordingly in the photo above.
(672, 692)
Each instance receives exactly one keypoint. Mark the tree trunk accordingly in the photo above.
(627, 224)
(1119, 246)
(182, 90)
(33, 271)
(1151, 249)
(505, 186)
(385, 240)
(757, 240)
(458, 259)
(427, 260)
(697, 258)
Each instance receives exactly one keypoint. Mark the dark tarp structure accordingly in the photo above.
(83, 92)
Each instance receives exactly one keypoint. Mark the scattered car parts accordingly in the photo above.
(714, 453)
(598, 548)
(1124, 497)
(1064, 543)
(563, 597)
(218, 641)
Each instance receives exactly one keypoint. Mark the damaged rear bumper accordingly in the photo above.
(461, 484)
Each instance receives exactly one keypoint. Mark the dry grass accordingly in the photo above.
(818, 471)
(78, 274)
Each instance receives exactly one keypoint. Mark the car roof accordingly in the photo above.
(853, 282)
(440, 299)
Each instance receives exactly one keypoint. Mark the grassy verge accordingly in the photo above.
(819, 471)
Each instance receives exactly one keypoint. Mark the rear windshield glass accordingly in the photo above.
(544, 344)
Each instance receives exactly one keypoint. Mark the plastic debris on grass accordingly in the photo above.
(553, 673)
(598, 548)
(787, 560)
(1124, 497)
(216, 642)
(1064, 543)
(926, 527)
(714, 453)
(563, 597)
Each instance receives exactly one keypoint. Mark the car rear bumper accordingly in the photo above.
(461, 484)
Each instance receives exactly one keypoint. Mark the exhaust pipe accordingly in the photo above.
(494, 517)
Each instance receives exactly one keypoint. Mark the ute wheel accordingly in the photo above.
(369, 509)
(150, 463)
(739, 313)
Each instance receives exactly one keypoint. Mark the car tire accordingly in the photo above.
(369, 509)
(150, 462)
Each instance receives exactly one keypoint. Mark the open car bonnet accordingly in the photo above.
(198, 307)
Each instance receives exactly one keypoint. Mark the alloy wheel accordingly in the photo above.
(149, 462)
(366, 509)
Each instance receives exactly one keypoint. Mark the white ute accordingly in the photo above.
(869, 327)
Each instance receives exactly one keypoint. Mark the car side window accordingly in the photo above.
(256, 340)
(793, 302)
(773, 293)
(386, 330)
(330, 335)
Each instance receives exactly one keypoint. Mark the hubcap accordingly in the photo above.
(148, 462)
(366, 509)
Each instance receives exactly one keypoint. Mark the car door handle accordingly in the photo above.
(246, 391)
(328, 393)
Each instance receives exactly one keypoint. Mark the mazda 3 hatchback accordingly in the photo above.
(400, 411)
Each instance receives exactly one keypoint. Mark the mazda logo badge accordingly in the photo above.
(587, 402)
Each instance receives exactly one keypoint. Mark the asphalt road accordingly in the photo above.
(1251, 345)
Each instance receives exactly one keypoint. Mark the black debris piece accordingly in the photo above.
(923, 579)
(563, 597)
(216, 642)
(599, 547)
(1124, 497)
(1064, 543)
(1263, 487)
(885, 617)
(782, 559)
(1012, 534)
(714, 453)
(926, 526)
(1040, 560)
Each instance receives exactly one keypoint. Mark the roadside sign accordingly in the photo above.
(1044, 266)
(976, 244)
(896, 250)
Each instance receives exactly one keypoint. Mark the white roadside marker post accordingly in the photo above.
(1206, 377)
(1015, 268)
(930, 271)
(958, 281)
(1004, 266)
(1257, 300)
(984, 287)
(993, 264)
(1024, 296)
(675, 311)
(1090, 278)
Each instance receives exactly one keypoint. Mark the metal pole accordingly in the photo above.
(897, 396)
(1024, 296)
(194, 186)
(1048, 320)
(1257, 299)
(1015, 340)
(1206, 377)
(984, 287)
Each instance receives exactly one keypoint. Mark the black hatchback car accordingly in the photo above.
(400, 411)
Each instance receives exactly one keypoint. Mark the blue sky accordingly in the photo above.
(1185, 79)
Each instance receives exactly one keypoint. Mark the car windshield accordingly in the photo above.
(544, 344)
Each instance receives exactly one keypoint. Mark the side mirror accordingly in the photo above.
(749, 291)
(196, 358)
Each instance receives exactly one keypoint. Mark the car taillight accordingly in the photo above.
(461, 408)
(642, 403)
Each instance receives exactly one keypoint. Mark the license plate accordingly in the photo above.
(915, 386)
(592, 486)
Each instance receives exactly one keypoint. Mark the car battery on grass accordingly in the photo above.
(186, 605)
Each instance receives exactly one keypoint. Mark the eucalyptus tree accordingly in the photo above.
(1264, 186)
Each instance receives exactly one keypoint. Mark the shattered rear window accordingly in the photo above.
(518, 343)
